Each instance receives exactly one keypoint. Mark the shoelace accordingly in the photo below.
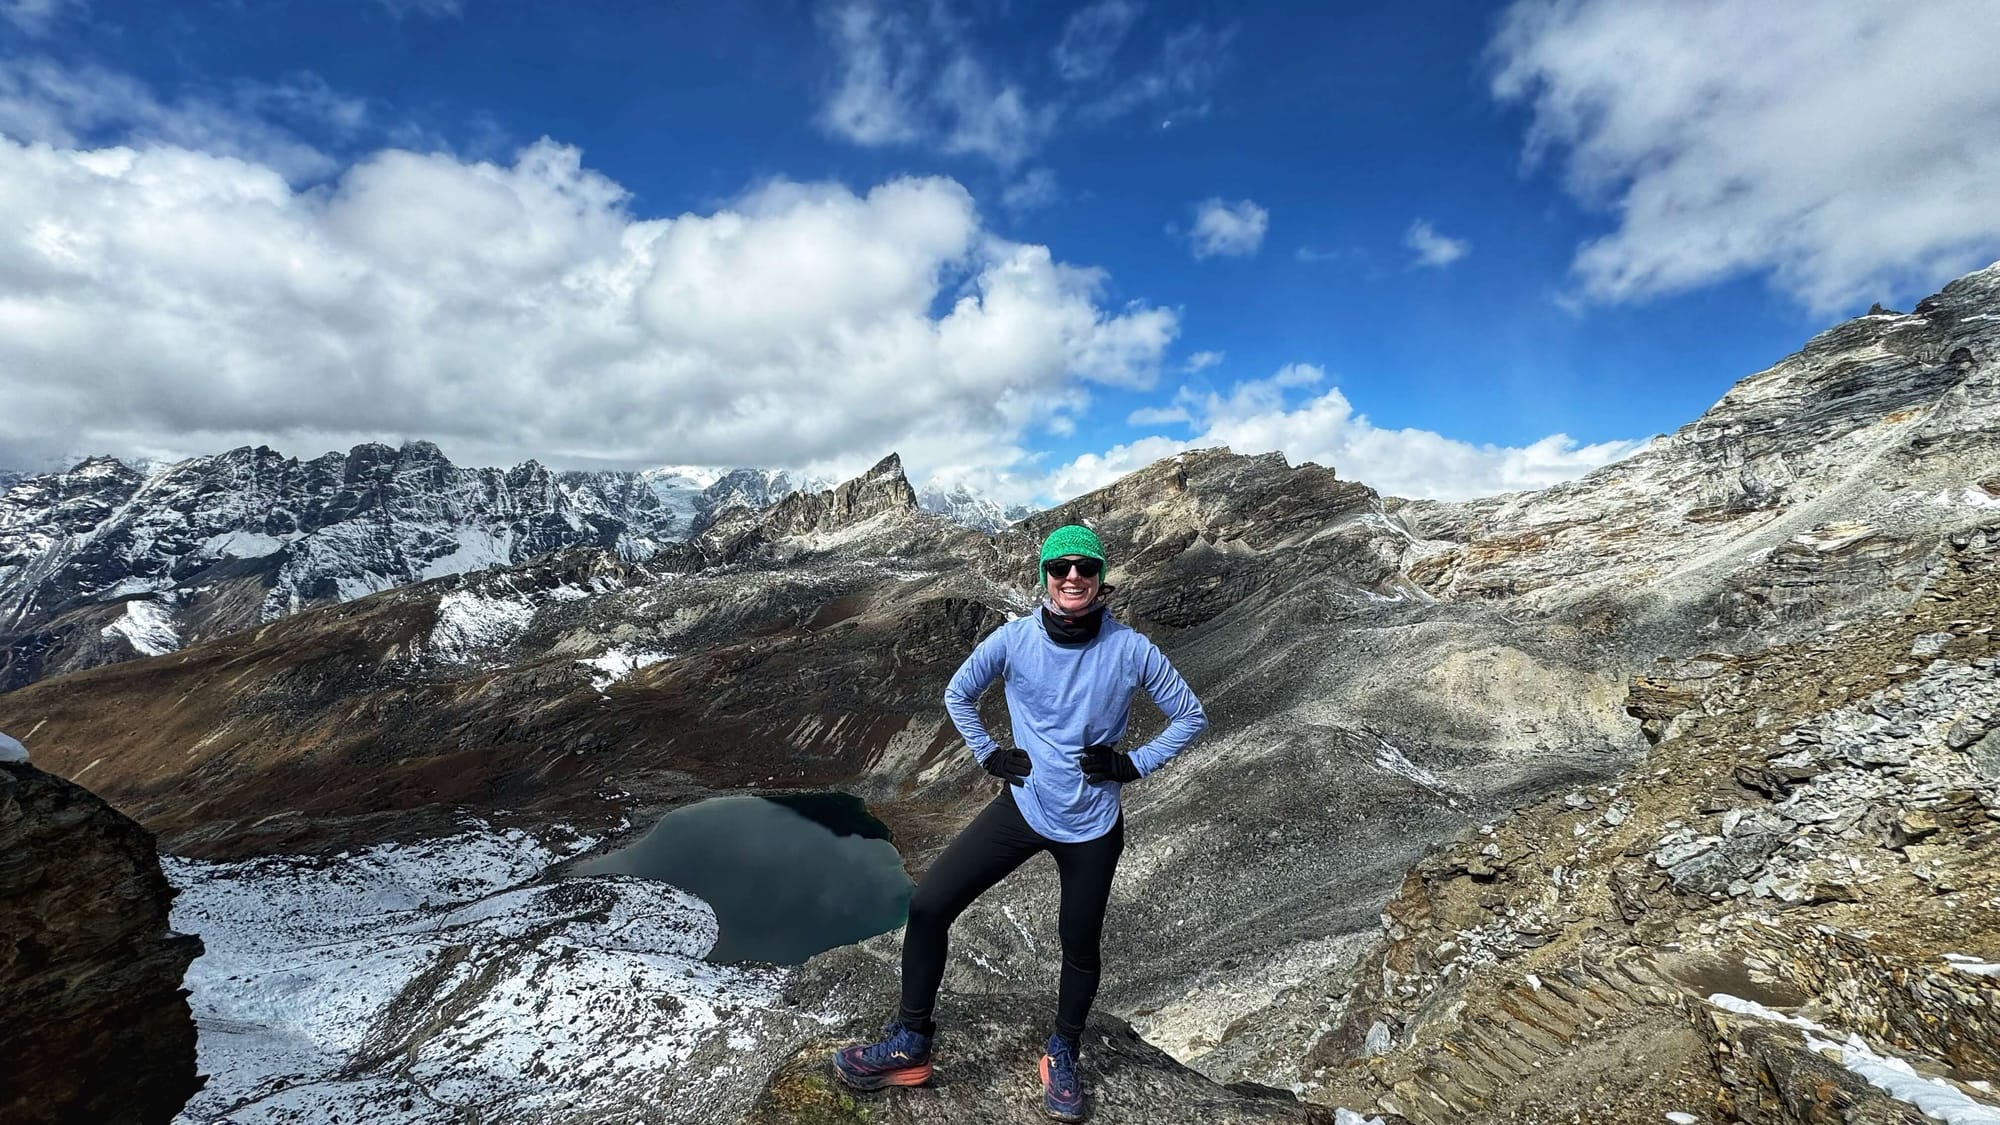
(1062, 1066)
(895, 1038)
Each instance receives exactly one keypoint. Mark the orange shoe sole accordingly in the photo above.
(915, 1076)
(1079, 1115)
(911, 1076)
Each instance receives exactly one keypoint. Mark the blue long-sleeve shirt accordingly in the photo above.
(1063, 698)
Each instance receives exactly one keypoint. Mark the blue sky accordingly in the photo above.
(1447, 247)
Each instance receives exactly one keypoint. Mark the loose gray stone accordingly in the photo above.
(1930, 644)
(1963, 733)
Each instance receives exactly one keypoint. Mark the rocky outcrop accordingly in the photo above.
(1200, 532)
(881, 490)
(97, 1025)
(1815, 490)
(1815, 833)
(987, 1050)
(990, 1076)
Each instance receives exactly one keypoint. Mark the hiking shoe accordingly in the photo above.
(1062, 1091)
(902, 1058)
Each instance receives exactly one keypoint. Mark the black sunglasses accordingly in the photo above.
(1060, 568)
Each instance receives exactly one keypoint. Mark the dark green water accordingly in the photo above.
(787, 876)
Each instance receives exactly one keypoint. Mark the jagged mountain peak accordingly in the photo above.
(883, 489)
(222, 541)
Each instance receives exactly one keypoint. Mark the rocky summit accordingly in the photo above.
(1665, 790)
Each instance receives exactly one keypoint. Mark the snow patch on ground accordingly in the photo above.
(469, 622)
(11, 750)
(616, 664)
(443, 981)
(350, 587)
(148, 626)
(128, 586)
(243, 545)
(1936, 1097)
(478, 548)
(1389, 758)
(1969, 497)
(1973, 965)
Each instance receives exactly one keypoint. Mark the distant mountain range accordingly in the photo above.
(110, 560)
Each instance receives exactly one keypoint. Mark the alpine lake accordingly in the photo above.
(788, 875)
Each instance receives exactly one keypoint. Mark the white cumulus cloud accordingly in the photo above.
(1849, 152)
(1431, 248)
(1258, 416)
(160, 300)
(1228, 230)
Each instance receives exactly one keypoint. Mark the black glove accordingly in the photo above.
(1010, 765)
(1102, 764)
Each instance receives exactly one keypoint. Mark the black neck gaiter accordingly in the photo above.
(1078, 630)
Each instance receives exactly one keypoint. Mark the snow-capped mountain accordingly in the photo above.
(961, 505)
(108, 560)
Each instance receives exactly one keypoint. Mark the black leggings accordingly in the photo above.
(996, 842)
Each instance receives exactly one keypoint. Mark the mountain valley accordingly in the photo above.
(1497, 793)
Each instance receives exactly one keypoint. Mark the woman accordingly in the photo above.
(1070, 671)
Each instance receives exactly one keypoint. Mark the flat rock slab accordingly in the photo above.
(986, 1071)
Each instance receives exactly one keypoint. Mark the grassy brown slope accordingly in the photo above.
(305, 732)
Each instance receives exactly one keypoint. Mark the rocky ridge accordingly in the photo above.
(990, 1037)
(1818, 486)
(97, 1026)
(109, 561)
(1814, 832)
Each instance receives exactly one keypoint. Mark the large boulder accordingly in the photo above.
(97, 1026)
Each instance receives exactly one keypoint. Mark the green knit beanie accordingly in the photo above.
(1072, 539)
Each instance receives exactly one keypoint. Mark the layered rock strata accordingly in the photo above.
(1816, 832)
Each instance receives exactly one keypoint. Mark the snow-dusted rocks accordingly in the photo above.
(417, 983)
(962, 506)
